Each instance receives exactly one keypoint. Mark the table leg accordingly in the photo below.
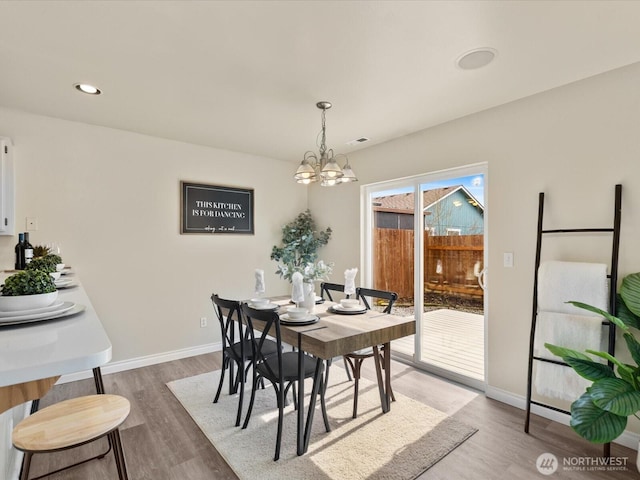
(312, 401)
(382, 386)
(387, 373)
(300, 429)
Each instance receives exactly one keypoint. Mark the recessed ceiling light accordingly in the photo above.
(88, 89)
(477, 58)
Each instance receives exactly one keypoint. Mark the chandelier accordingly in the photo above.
(324, 168)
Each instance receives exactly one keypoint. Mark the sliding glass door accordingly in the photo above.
(425, 239)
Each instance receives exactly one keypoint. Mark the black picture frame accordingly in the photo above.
(216, 209)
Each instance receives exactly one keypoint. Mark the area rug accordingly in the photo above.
(398, 445)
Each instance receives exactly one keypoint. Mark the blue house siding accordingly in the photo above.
(454, 212)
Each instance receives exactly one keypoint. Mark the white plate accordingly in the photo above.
(63, 282)
(62, 309)
(359, 308)
(318, 299)
(306, 318)
(31, 311)
(268, 306)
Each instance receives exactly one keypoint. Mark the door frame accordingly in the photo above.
(412, 183)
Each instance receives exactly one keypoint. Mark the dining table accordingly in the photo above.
(335, 334)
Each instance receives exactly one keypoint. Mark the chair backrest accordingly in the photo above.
(230, 321)
(363, 293)
(267, 324)
(327, 288)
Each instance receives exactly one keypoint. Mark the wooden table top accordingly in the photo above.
(334, 334)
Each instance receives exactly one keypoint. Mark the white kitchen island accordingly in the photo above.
(34, 355)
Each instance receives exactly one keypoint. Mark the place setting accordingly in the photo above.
(299, 314)
(348, 306)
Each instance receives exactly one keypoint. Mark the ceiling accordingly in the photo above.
(246, 75)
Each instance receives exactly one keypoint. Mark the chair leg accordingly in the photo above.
(326, 375)
(344, 359)
(253, 397)
(26, 465)
(225, 364)
(241, 396)
(280, 398)
(118, 453)
(323, 406)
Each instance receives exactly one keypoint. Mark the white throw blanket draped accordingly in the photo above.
(564, 325)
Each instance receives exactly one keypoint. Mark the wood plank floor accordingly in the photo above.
(162, 443)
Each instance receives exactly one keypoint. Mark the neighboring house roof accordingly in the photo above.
(404, 202)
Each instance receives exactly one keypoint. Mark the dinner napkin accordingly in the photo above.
(297, 293)
(259, 281)
(350, 281)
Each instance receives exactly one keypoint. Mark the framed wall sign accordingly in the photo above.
(216, 209)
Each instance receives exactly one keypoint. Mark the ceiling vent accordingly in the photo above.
(358, 141)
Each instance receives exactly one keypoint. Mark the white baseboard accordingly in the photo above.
(627, 439)
(145, 361)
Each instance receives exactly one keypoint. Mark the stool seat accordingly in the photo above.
(72, 423)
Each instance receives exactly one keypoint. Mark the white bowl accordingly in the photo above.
(296, 313)
(26, 302)
(350, 303)
(259, 302)
(59, 267)
(56, 275)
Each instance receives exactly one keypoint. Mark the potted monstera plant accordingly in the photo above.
(600, 414)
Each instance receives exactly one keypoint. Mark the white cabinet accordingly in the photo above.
(7, 193)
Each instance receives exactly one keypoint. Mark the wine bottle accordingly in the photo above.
(28, 249)
(20, 252)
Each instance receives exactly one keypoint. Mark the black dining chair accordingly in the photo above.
(281, 368)
(235, 352)
(355, 359)
(325, 289)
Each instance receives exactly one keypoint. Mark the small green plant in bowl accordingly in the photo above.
(47, 263)
(27, 290)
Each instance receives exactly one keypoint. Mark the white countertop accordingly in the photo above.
(57, 347)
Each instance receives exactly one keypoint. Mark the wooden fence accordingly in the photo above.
(451, 263)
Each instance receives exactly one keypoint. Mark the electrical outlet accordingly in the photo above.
(203, 322)
(32, 223)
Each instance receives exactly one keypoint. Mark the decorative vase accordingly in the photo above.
(309, 291)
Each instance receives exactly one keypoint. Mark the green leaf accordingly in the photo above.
(565, 353)
(615, 395)
(633, 346)
(626, 315)
(601, 312)
(589, 369)
(607, 356)
(630, 292)
(593, 423)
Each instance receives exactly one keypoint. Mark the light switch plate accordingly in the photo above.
(508, 259)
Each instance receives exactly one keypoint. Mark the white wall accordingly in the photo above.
(574, 143)
(112, 200)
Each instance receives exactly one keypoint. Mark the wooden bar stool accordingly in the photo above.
(72, 423)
